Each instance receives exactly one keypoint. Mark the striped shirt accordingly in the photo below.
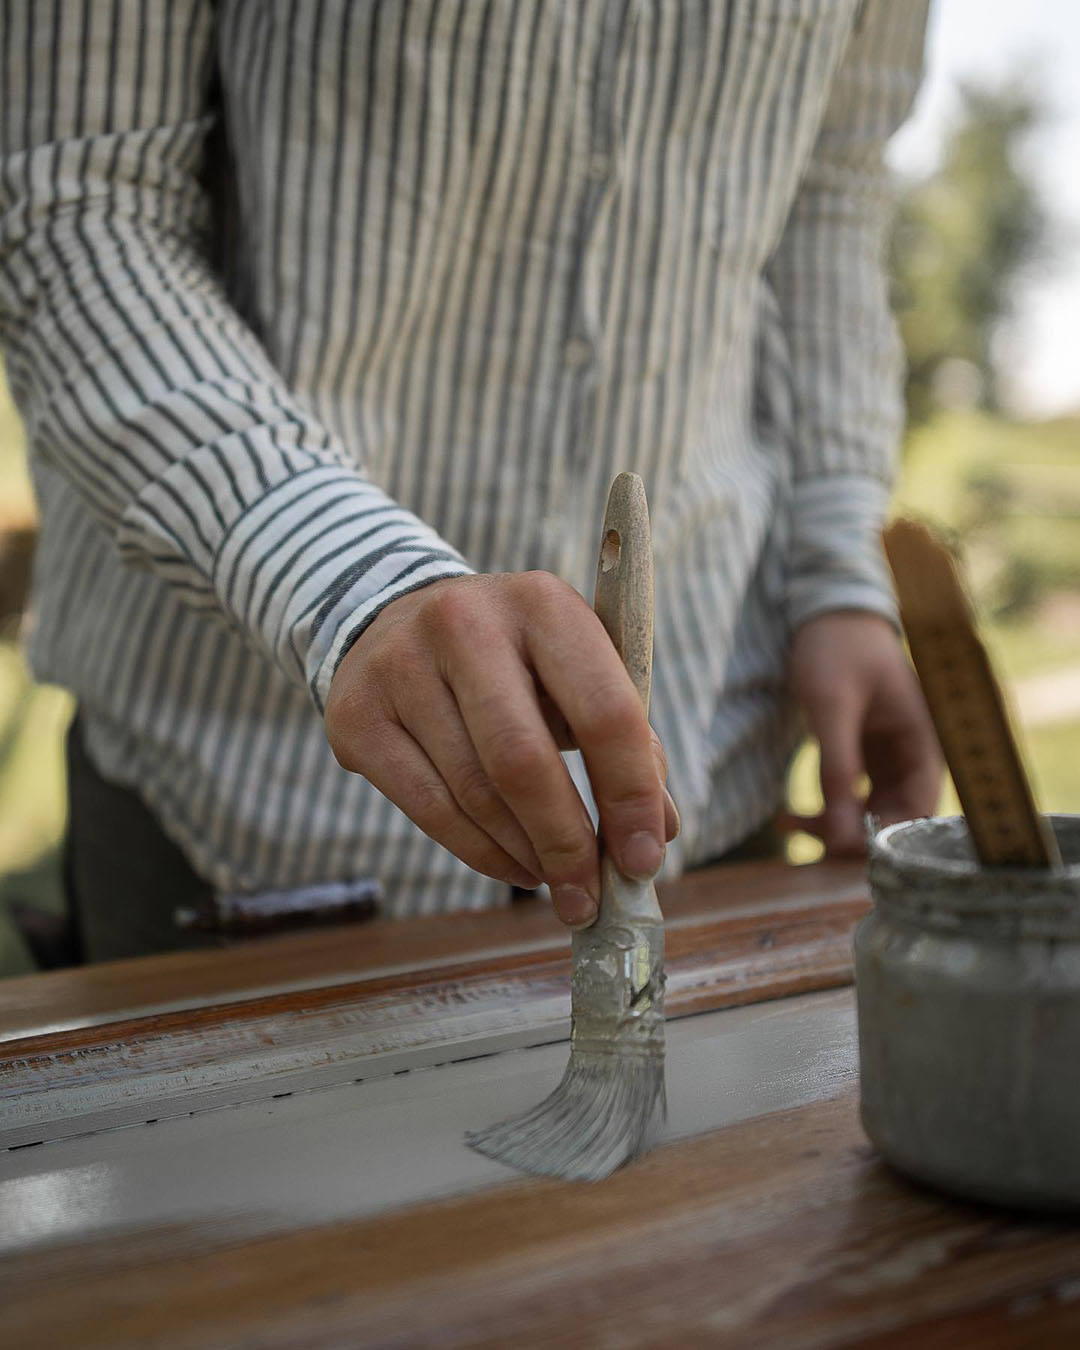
(307, 303)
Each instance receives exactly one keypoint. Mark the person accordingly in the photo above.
(330, 324)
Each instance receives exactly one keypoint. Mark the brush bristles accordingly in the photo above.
(604, 1113)
(611, 1098)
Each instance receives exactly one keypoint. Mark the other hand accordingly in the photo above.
(863, 704)
(455, 703)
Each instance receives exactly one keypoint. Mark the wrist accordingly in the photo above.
(849, 618)
(835, 560)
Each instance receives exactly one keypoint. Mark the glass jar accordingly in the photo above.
(968, 987)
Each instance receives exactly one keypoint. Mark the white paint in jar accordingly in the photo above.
(968, 990)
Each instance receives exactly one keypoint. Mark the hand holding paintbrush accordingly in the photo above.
(611, 1097)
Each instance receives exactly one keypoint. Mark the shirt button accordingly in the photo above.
(599, 167)
(577, 352)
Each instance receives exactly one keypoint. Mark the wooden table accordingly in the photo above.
(262, 1146)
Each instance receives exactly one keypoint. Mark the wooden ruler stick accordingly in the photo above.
(966, 702)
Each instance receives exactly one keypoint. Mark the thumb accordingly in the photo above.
(838, 735)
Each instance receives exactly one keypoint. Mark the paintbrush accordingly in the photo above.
(611, 1099)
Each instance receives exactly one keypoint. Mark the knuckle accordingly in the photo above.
(515, 759)
(566, 854)
(344, 757)
(610, 711)
(829, 693)
(344, 723)
(494, 862)
(475, 792)
(541, 583)
(449, 609)
(838, 780)
(431, 806)
(343, 752)
(548, 595)
(632, 801)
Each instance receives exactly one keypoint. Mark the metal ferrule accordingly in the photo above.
(617, 991)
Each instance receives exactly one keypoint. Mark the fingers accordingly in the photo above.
(498, 704)
(401, 771)
(582, 673)
(909, 797)
(565, 741)
(672, 823)
(864, 705)
(904, 758)
(838, 735)
(434, 721)
(455, 704)
(556, 722)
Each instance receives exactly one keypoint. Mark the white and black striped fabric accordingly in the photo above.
(306, 303)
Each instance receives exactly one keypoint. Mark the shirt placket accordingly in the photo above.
(598, 186)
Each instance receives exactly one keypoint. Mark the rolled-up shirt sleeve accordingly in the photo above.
(135, 376)
(829, 280)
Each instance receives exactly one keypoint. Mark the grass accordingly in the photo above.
(1039, 643)
(1053, 755)
(32, 723)
(1011, 493)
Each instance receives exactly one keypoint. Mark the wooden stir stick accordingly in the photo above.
(966, 703)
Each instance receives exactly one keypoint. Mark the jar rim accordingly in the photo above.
(943, 844)
(928, 869)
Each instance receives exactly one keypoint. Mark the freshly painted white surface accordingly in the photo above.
(357, 1149)
(135, 1078)
(128, 1083)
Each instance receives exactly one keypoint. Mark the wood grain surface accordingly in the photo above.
(784, 1231)
(61, 1083)
(115, 990)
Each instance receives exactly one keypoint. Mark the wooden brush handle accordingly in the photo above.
(624, 579)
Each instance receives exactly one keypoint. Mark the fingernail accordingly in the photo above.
(574, 906)
(641, 856)
(674, 811)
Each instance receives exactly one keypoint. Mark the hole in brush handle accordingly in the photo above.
(610, 550)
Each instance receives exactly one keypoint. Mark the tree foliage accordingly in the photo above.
(962, 240)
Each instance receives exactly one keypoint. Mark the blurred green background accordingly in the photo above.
(1006, 487)
(32, 723)
(970, 239)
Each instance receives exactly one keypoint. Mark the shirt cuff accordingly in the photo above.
(301, 564)
(835, 560)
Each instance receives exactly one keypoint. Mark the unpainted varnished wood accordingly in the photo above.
(56, 1085)
(783, 1231)
(758, 954)
(113, 991)
(1041, 1317)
